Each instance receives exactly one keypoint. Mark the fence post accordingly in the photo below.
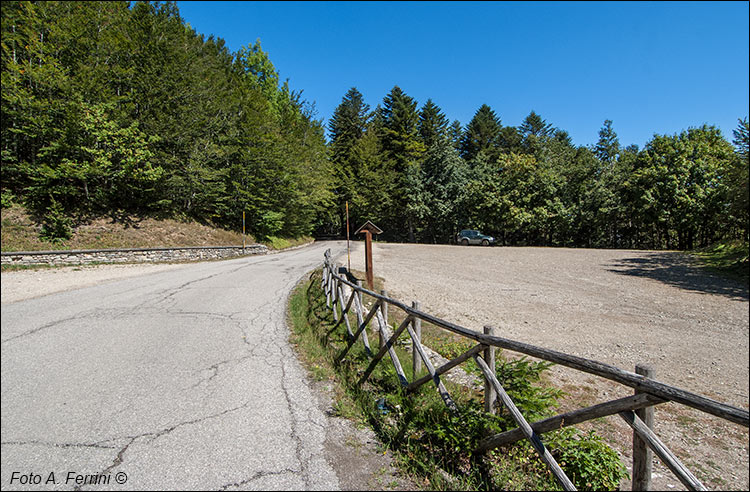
(416, 360)
(359, 296)
(327, 279)
(642, 454)
(490, 396)
(384, 312)
(335, 298)
(361, 316)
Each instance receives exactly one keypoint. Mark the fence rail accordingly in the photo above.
(636, 410)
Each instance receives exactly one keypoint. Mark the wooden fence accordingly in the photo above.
(636, 410)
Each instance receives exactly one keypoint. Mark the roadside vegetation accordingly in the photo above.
(20, 232)
(728, 259)
(430, 444)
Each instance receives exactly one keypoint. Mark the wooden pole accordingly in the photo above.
(642, 454)
(571, 418)
(543, 452)
(368, 259)
(243, 231)
(667, 457)
(490, 396)
(348, 256)
(416, 360)
(360, 319)
(384, 314)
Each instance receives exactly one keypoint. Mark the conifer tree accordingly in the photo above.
(402, 146)
(433, 125)
(346, 127)
(482, 134)
(455, 133)
(608, 147)
(535, 125)
(738, 186)
(535, 132)
(510, 140)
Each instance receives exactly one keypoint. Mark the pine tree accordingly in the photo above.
(445, 178)
(402, 146)
(607, 149)
(738, 178)
(346, 127)
(482, 134)
(433, 125)
(455, 133)
(510, 140)
(348, 124)
(400, 128)
(535, 125)
(535, 132)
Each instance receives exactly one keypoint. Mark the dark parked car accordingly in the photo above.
(468, 236)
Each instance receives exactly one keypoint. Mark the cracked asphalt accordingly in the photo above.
(180, 379)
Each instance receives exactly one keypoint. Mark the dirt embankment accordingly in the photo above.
(614, 306)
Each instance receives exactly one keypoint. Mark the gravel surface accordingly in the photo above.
(28, 284)
(614, 306)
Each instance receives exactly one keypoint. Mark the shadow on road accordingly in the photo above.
(679, 270)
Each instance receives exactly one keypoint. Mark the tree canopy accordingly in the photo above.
(111, 109)
(122, 109)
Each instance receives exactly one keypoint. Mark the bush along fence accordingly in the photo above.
(343, 296)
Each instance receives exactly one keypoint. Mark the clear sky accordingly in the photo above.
(650, 67)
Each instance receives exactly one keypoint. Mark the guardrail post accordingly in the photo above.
(416, 360)
(642, 454)
(490, 395)
(384, 312)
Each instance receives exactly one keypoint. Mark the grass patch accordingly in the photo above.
(277, 243)
(729, 259)
(426, 439)
(18, 268)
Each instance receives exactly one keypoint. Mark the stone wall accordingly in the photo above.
(135, 255)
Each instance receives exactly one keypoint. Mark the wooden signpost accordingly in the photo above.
(368, 229)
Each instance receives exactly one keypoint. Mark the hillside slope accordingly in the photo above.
(21, 233)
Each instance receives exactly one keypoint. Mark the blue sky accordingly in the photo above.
(650, 67)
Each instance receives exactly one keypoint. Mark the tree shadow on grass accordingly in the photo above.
(680, 270)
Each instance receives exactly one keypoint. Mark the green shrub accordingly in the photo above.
(56, 226)
(520, 378)
(587, 460)
(6, 199)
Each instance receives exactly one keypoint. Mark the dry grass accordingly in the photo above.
(21, 233)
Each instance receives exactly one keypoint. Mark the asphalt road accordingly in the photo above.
(182, 379)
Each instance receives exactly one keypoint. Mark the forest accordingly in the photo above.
(123, 110)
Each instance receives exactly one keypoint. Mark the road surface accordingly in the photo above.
(181, 379)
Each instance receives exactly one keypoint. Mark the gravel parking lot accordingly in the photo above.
(615, 306)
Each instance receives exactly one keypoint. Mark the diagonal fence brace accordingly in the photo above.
(536, 442)
(387, 347)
